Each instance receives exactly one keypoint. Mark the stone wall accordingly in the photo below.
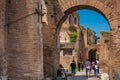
(50, 48)
(104, 51)
(24, 41)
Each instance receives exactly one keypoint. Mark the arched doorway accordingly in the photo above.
(92, 55)
(68, 7)
(92, 5)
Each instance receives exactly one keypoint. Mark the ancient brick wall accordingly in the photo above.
(51, 56)
(24, 41)
(72, 20)
(104, 51)
(110, 9)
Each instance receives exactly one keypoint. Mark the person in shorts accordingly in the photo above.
(88, 67)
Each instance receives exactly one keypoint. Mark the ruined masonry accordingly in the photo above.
(29, 35)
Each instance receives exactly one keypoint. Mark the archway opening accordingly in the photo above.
(84, 37)
(92, 55)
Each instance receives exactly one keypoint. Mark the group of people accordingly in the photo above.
(73, 66)
(61, 72)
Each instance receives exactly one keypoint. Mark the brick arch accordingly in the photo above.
(101, 7)
(108, 8)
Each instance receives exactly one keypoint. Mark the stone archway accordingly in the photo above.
(107, 9)
(24, 44)
(23, 41)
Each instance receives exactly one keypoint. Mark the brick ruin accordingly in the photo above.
(69, 51)
(29, 38)
(78, 50)
(104, 51)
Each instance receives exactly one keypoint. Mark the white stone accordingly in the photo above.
(104, 76)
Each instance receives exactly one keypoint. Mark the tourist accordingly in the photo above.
(97, 61)
(79, 66)
(73, 66)
(82, 66)
(93, 66)
(88, 67)
(61, 74)
(96, 69)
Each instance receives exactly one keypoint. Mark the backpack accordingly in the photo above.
(62, 74)
(59, 73)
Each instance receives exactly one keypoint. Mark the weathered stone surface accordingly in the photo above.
(22, 38)
(24, 41)
(104, 51)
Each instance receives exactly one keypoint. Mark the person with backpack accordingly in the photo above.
(61, 74)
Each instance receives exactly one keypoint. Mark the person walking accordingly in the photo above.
(73, 66)
(93, 66)
(61, 74)
(82, 66)
(79, 66)
(97, 61)
(96, 69)
(88, 67)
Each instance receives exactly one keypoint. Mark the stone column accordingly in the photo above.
(24, 43)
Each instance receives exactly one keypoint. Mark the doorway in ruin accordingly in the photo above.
(92, 55)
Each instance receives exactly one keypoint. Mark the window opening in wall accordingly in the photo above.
(75, 20)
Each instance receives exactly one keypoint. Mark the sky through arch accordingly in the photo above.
(93, 20)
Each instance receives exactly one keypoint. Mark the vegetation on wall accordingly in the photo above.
(105, 32)
(73, 36)
(73, 33)
(86, 28)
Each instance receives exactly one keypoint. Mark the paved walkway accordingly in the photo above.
(82, 76)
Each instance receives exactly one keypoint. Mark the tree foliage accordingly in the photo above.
(73, 36)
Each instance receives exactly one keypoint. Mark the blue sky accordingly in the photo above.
(93, 20)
